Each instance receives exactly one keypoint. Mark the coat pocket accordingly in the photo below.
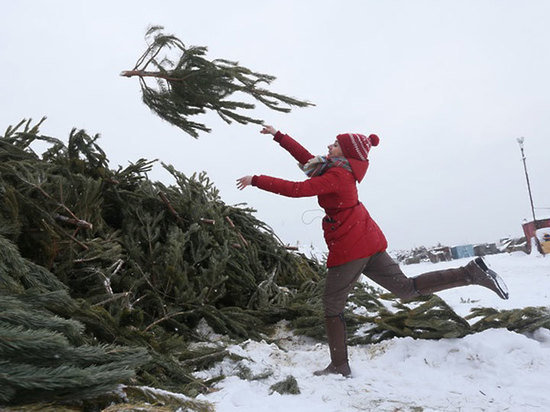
(331, 230)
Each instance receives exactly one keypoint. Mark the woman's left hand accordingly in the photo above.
(243, 182)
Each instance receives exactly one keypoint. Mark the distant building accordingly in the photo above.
(486, 249)
(462, 251)
(510, 245)
(440, 254)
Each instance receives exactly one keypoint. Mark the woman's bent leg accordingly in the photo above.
(382, 269)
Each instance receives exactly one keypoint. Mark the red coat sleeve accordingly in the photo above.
(329, 182)
(297, 151)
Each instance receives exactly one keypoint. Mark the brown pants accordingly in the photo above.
(381, 268)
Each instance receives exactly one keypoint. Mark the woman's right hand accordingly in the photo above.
(268, 130)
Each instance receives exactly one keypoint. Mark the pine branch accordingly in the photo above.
(188, 84)
(168, 316)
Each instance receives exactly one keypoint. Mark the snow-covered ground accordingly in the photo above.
(495, 370)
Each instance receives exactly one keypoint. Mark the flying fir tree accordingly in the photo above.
(188, 84)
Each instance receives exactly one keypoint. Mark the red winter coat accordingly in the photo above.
(348, 229)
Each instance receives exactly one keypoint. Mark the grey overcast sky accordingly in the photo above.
(447, 85)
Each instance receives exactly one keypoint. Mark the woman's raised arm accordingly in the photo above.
(300, 153)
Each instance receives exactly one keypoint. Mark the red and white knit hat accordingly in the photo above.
(357, 146)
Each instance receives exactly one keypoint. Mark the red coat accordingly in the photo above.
(348, 229)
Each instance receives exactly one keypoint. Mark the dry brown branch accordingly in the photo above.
(91, 259)
(51, 198)
(77, 222)
(245, 242)
(74, 240)
(170, 207)
(141, 73)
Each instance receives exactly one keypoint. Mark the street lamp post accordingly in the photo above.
(520, 141)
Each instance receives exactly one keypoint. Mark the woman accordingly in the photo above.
(355, 242)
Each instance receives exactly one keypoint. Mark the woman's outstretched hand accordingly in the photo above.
(268, 130)
(243, 182)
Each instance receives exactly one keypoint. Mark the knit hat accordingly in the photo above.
(357, 146)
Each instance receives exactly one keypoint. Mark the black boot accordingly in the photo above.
(481, 275)
(475, 272)
(336, 335)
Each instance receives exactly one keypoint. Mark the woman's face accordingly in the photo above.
(334, 150)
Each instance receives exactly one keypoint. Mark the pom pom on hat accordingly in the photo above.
(357, 146)
(374, 139)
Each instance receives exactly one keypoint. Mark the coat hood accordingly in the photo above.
(358, 168)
